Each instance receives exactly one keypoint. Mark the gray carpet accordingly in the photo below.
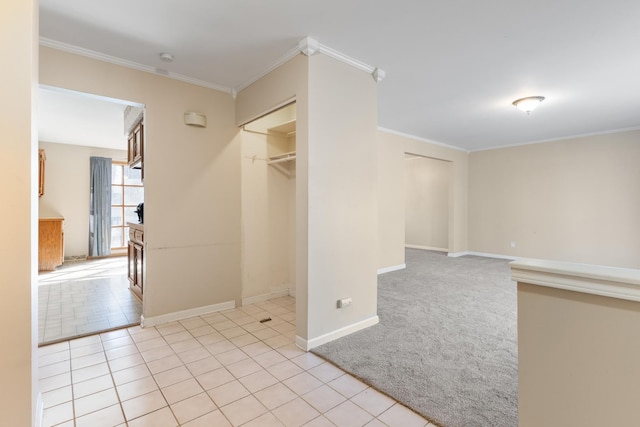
(446, 344)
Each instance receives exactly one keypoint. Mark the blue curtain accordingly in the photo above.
(100, 207)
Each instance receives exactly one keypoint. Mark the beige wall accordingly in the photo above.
(267, 214)
(192, 180)
(343, 189)
(427, 186)
(573, 200)
(391, 148)
(18, 186)
(578, 358)
(67, 190)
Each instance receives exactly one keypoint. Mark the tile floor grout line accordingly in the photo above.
(73, 396)
(113, 381)
(297, 358)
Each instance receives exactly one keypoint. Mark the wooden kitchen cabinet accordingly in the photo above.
(135, 151)
(136, 259)
(50, 243)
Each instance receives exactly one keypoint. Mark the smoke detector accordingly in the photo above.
(166, 57)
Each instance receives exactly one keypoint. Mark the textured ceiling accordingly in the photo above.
(452, 67)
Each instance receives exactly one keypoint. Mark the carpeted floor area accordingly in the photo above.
(446, 344)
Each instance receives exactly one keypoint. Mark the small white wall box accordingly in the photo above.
(195, 119)
(344, 302)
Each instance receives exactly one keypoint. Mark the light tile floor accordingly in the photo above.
(222, 369)
(82, 297)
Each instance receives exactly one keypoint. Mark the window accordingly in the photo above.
(126, 192)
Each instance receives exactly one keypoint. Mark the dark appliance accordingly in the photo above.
(140, 212)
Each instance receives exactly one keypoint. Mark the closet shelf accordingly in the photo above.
(281, 158)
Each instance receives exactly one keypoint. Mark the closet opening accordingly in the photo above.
(268, 170)
(428, 190)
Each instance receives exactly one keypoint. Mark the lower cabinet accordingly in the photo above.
(50, 243)
(136, 259)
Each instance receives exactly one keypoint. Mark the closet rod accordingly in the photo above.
(284, 159)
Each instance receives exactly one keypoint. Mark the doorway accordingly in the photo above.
(78, 294)
(428, 187)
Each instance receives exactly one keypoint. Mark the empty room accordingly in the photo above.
(354, 214)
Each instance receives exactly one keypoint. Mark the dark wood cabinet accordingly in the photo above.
(135, 270)
(135, 151)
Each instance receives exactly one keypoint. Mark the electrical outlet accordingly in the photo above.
(344, 302)
(513, 244)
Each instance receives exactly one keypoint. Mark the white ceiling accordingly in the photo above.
(79, 119)
(452, 67)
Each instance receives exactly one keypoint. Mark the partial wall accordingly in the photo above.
(67, 190)
(343, 198)
(391, 193)
(573, 200)
(19, 226)
(191, 179)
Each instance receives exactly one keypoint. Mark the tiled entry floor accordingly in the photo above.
(222, 369)
(82, 297)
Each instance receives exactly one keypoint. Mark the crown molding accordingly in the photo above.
(562, 138)
(54, 44)
(324, 49)
(309, 46)
(378, 75)
(418, 138)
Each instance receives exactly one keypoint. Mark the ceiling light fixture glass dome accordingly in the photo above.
(529, 103)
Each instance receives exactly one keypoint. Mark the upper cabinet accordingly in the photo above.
(135, 155)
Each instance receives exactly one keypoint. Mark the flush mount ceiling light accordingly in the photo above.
(166, 57)
(529, 103)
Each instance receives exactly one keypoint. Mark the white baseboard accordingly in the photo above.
(39, 411)
(266, 297)
(307, 345)
(427, 248)
(184, 314)
(458, 254)
(482, 254)
(392, 268)
(292, 292)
